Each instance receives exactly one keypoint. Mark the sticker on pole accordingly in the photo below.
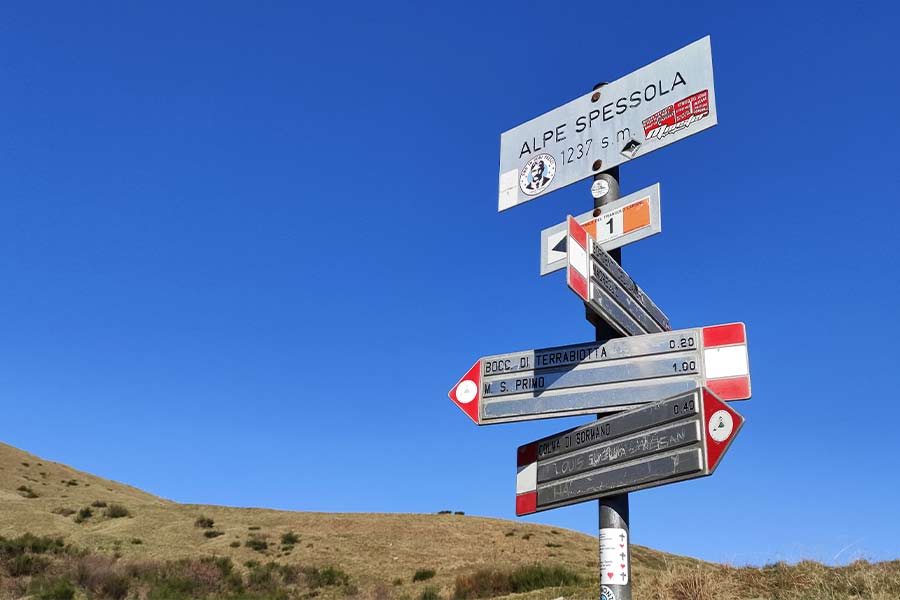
(614, 556)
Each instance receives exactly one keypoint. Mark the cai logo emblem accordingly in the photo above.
(537, 174)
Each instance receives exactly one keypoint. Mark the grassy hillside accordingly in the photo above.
(110, 530)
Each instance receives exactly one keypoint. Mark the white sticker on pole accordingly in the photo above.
(614, 556)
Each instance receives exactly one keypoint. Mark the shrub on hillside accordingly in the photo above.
(26, 492)
(257, 543)
(325, 577)
(11, 547)
(430, 593)
(116, 511)
(98, 504)
(204, 522)
(212, 533)
(289, 539)
(489, 583)
(26, 564)
(54, 589)
(423, 574)
(83, 515)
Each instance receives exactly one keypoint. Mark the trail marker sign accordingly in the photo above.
(652, 107)
(683, 437)
(603, 377)
(623, 221)
(606, 288)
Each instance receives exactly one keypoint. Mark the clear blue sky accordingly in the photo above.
(246, 249)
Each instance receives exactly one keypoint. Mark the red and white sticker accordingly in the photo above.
(677, 116)
(614, 556)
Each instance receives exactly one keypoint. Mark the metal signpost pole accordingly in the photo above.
(614, 535)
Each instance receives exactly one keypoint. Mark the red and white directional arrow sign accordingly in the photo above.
(604, 377)
(606, 288)
(683, 437)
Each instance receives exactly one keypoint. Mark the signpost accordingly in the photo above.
(671, 385)
(652, 107)
(607, 289)
(623, 221)
(683, 437)
(603, 377)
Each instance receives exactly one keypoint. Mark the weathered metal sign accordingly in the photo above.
(623, 221)
(683, 437)
(652, 107)
(607, 289)
(602, 377)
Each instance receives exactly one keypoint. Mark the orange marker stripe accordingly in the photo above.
(635, 216)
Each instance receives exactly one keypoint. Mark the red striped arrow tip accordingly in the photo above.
(466, 393)
(722, 424)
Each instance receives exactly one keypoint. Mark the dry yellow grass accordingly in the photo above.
(373, 548)
(378, 549)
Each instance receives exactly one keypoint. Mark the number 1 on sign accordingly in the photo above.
(623, 220)
(610, 226)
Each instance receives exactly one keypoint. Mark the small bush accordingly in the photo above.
(26, 492)
(290, 538)
(445, 512)
(430, 593)
(56, 589)
(98, 504)
(329, 576)
(535, 577)
(552, 545)
(398, 581)
(510, 533)
(491, 583)
(459, 512)
(212, 533)
(83, 515)
(137, 541)
(258, 544)
(114, 586)
(27, 564)
(235, 544)
(423, 574)
(527, 536)
(10, 548)
(204, 523)
(116, 511)
(254, 528)
(71, 483)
